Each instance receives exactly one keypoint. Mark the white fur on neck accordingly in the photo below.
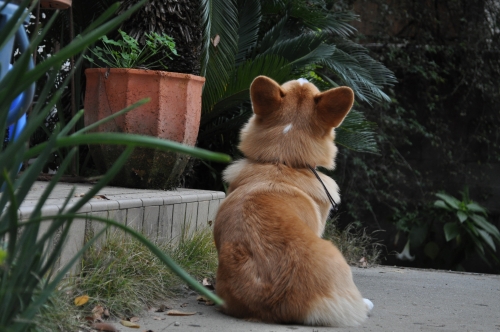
(302, 81)
(287, 128)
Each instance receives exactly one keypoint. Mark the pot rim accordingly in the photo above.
(137, 71)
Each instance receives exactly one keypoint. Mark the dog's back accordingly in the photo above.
(273, 264)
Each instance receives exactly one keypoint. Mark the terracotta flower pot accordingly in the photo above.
(173, 113)
(55, 4)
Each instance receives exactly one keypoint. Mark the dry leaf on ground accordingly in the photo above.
(184, 305)
(158, 318)
(134, 319)
(98, 312)
(207, 283)
(129, 324)
(204, 300)
(104, 327)
(362, 262)
(81, 300)
(179, 313)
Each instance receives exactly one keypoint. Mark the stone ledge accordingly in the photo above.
(161, 215)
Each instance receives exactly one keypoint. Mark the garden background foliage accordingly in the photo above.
(438, 133)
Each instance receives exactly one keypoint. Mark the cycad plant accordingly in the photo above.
(282, 39)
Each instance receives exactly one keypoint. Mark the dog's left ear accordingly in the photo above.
(333, 105)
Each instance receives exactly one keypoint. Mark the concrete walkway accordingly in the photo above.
(405, 300)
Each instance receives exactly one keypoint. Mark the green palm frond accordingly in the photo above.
(273, 34)
(378, 72)
(319, 19)
(237, 90)
(297, 47)
(315, 56)
(248, 32)
(356, 133)
(220, 35)
(351, 69)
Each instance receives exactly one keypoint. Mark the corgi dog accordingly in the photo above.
(273, 264)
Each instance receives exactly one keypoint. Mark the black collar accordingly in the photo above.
(335, 207)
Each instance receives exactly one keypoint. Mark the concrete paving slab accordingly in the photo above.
(405, 300)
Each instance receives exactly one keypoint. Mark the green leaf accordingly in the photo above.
(477, 243)
(476, 208)
(461, 216)
(316, 18)
(248, 31)
(273, 34)
(451, 230)
(450, 200)
(441, 204)
(352, 64)
(130, 140)
(486, 225)
(487, 238)
(357, 134)
(417, 236)
(219, 21)
(431, 249)
(238, 87)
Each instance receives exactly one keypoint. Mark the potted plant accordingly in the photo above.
(130, 73)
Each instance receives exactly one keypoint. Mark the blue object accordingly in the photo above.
(16, 118)
(20, 107)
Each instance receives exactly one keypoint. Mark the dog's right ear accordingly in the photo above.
(266, 95)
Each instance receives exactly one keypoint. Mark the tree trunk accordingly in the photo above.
(179, 19)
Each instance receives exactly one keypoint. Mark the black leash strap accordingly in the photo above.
(335, 207)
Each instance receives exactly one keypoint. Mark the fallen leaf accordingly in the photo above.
(362, 262)
(129, 324)
(216, 40)
(179, 313)
(101, 197)
(184, 305)
(158, 318)
(81, 300)
(207, 283)
(97, 312)
(134, 319)
(104, 327)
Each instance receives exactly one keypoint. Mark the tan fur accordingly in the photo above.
(273, 264)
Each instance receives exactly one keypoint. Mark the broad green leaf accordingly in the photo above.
(477, 243)
(476, 208)
(417, 235)
(441, 204)
(451, 230)
(431, 249)
(461, 216)
(486, 225)
(450, 200)
(487, 238)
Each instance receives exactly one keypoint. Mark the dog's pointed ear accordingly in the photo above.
(266, 95)
(333, 105)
